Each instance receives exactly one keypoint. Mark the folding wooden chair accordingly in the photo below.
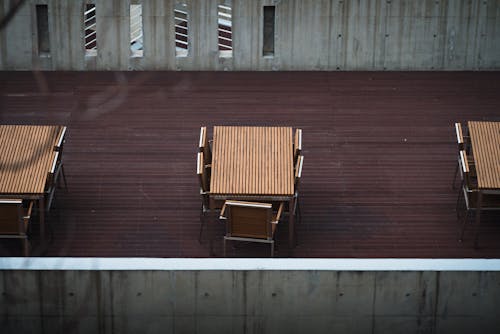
(201, 171)
(204, 147)
(59, 148)
(298, 175)
(470, 192)
(462, 144)
(14, 221)
(204, 181)
(57, 170)
(297, 145)
(250, 221)
(51, 184)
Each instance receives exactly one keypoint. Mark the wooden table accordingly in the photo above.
(253, 163)
(485, 139)
(26, 157)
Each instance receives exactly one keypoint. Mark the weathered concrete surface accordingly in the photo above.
(255, 301)
(309, 35)
(17, 38)
(3, 41)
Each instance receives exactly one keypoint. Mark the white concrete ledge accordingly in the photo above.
(68, 263)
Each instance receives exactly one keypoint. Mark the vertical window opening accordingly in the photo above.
(181, 30)
(90, 30)
(268, 31)
(42, 26)
(225, 29)
(136, 39)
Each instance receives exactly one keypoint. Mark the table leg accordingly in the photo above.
(41, 212)
(212, 222)
(291, 224)
(478, 217)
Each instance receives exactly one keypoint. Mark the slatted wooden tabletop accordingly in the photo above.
(252, 161)
(485, 138)
(26, 156)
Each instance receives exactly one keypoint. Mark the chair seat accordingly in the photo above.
(250, 221)
(14, 220)
(9, 220)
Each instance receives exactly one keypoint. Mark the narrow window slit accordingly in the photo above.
(268, 31)
(181, 18)
(90, 24)
(136, 31)
(225, 31)
(42, 25)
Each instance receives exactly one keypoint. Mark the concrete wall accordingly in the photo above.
(309, 35)
(249, 301)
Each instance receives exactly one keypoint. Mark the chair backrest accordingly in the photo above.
(249, 220)
(204, 146)
(298, 170)
(460, 136)
(11, 216)
(297, 144)
(54, 163)
(60, 141)
(60, 146)
(464, 165)
(202, 172)
(51, 177)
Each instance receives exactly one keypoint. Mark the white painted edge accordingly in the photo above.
(199, 163)
(463, 160)
(458, 133)
(54, 163)
(299, 169)
(249, 204)
(171, 264)
(61, 137)
(202, 137)
(10, 201)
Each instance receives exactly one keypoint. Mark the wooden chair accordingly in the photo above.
(52, 181)
(298, 175)
(204, 147)
(14, 221)
(59, 148)
(250, 221)
(204, 181)
(462, 144)
(57, 170)
(297, 145)
(470, 192)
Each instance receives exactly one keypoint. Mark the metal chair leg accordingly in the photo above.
(299, 214)
(25, 247)
(50, 198)
(298, 219)
(224, 247)
(466, 216)
(453, 185)
(272, 248)
(64, 177)
(460, 194)
(202, 223)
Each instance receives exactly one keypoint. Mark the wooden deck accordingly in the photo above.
(379, 153)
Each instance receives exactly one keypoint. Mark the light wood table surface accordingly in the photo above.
(485, 140)
(253, 163)
(26, 157)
